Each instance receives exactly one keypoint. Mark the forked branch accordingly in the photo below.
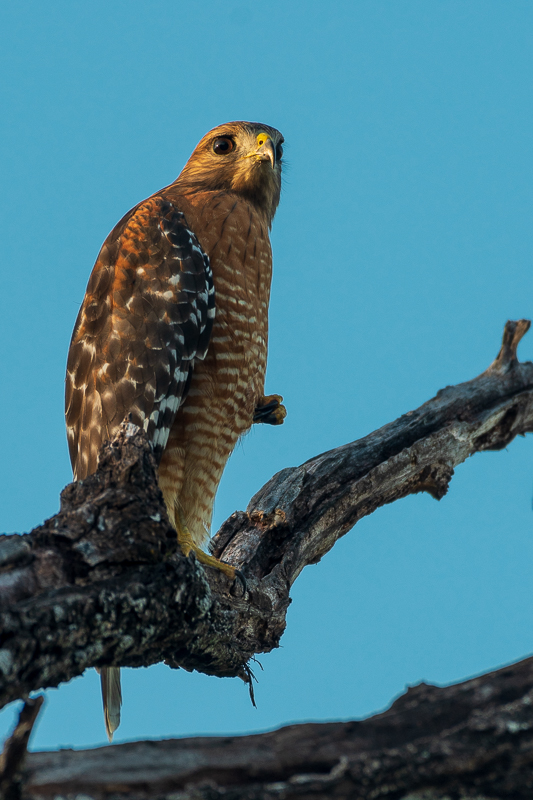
(103, 581)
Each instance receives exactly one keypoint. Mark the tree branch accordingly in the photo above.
(473, 740)
(14, 754)
(103, 582)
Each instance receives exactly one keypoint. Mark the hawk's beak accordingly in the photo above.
(267, 153)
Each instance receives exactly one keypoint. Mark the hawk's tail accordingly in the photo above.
(111, 698)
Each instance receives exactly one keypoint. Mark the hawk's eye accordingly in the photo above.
(223, 145)
(279, 152)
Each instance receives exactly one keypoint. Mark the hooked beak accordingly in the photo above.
(266, 153)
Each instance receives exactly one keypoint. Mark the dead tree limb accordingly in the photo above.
(472, 741)
(14, 754)
(103, 582)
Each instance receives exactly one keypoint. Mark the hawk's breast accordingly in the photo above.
(226, 385)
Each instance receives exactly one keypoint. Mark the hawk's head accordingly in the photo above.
(243, 158)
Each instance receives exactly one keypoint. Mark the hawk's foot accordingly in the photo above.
(187, 543)
(269, 410)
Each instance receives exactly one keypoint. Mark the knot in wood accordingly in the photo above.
(268, 520)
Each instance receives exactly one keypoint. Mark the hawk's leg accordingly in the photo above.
(187, 543)
(269, 410)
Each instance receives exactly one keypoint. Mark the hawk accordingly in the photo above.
(172, 332)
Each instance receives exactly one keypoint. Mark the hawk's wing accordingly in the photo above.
(146, 316)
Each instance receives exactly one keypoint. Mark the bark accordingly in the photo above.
(14, 753)
(103, 581)
(473, 740)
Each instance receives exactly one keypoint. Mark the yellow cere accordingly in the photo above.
(262, 138)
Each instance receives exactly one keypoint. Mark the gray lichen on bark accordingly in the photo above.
(103, 581)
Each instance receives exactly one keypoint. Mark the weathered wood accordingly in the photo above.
(470, 741)
(103, 581)
(14, 753)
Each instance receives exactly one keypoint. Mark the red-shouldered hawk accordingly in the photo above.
(172, 332)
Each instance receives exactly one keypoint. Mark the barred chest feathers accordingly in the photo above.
(226, 385)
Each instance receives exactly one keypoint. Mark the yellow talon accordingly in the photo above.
(270, 410)
(187, 544)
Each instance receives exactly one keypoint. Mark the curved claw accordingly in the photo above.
(239, 577)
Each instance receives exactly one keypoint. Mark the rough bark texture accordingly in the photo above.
(13, 756)
(103, 581)
(473, 740)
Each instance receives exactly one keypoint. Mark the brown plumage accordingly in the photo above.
(173, 330)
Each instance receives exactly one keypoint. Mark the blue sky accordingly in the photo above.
(401, 246)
